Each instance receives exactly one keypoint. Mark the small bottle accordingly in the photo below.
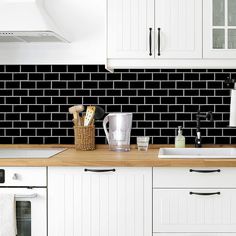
(180, 139)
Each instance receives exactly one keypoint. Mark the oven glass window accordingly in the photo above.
(23, 217)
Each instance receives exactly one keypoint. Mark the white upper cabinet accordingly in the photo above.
(130, 28)
(219, 28)
(139, 29)
(178, 25)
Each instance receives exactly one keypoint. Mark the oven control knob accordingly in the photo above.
(15, 177)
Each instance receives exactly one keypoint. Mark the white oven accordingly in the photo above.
(28, 184)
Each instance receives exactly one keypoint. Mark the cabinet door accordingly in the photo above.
(178, 25)
(130, 26)
(177, 210)
(219, 28)
(84, 203)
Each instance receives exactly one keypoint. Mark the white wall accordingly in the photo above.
(83, 21)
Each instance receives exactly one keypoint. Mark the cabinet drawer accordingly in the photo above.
(23, 176)
(197, 177)
(184, 210)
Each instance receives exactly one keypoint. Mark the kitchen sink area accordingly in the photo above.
(29, 152)
(191, 153)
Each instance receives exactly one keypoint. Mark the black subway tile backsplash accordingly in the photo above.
(34, 102)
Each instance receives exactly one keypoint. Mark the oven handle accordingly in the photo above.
(34, 195)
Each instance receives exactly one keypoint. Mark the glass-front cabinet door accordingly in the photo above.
(219, 25)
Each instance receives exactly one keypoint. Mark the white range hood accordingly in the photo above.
(27, 21)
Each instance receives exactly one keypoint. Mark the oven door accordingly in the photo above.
(31, 211)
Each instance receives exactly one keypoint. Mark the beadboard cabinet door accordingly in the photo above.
(84, 203)
(193, 211)
(178, 25)
(219, 29)
(130, 26)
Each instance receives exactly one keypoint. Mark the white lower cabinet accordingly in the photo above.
(194, 202)
(194, 210)
(90, 202)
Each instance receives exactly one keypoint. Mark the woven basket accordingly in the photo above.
(84, 137)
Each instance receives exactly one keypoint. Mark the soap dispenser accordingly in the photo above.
(180, 139)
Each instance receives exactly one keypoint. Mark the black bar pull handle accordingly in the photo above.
(204, 171)
(99, 170)
(204, 194)
(159, 41)
(150, 41)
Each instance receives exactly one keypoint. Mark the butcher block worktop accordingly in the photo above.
(103, 157)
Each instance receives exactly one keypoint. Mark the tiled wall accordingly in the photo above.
(35, 99)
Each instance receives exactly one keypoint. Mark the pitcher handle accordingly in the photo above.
(105, 121)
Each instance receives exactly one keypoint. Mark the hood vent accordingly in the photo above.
(27, 21)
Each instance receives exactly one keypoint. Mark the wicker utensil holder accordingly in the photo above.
(84, 137)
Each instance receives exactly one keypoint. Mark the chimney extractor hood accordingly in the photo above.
(27, 21)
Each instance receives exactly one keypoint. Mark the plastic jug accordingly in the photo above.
(119, 130)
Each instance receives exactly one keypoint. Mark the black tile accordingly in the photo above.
(175, 92)
(191, 76)
(74, 68)
(191, 92)
(152, 84)
(12, 68)
(113, 76)
(51, 76)
(136, 85)
(160, 108)
(152, 116)
(160, 76)
(214, 100)
(59, 68)
(126, 92)
(129, 76)
(121, 85)
(183, 84)
(198, 100)
(207, 92)
(152, 132)
(20, 76)
(121, 100)
(200, 85)
(27, 84)
(176, 76)
(67, 76)
(129, 108)
(145, 76)
(183, 100)
(98, 76)
(167, 116)
(167, 84)
(90, 68)
(5, 76)
(152, 100)
(105, 100)
(176, 108)
(44, 68)
(36, 76)
(137, 100)
(216, 85)
(28, 68)
(105, 84)
(168, 100)
(206, 76)
(75, 85)
(90, 100)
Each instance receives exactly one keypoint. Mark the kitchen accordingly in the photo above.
(117, 117)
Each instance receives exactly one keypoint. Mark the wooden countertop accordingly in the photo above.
(103, 157)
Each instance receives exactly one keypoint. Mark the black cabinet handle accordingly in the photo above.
(204, 171)
(150, 41)
(97, 170)
(204, 194)
(159, 41)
